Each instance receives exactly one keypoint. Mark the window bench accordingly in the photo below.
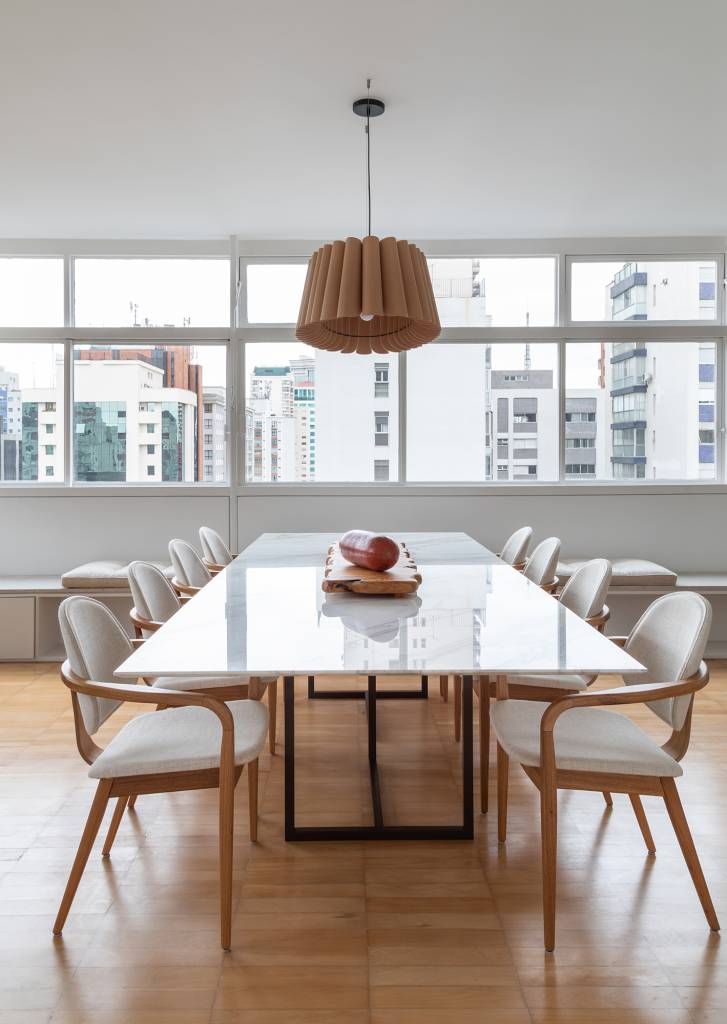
(638, 582)
(29, 628)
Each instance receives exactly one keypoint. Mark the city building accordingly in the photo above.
(11, 414)
(662, 429)
(214, 434)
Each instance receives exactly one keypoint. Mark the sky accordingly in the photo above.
(175, 292)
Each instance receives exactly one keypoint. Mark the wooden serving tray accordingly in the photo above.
(402, 578)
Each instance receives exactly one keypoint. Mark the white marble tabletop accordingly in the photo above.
(266, 614)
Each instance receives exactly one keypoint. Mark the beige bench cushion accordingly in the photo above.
(627, 572)
(108, 574)
(586, 740)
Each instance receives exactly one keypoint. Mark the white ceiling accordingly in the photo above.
(514, 118)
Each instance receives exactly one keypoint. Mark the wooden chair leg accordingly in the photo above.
(444, 688)
(93, 823)
(608, 798)
(484, 722)
(132, 803)
(252, 791)
(549, 842)
(273, 713)
(227, 824)
(643, 822)
(457, 708)
(681, 828)
(114, 827)
(503, 771)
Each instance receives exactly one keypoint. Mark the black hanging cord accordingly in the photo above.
(368, 150)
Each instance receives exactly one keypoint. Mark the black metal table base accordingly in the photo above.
(421, 694)
(379, 830)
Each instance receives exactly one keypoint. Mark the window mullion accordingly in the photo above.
(402, 417)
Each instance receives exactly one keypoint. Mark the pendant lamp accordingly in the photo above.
(368, 295)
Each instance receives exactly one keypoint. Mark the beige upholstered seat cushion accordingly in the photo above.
(108, 574)
(181, 740)
(201, 682)
(626, 572)
(558, 682)
(586, 739)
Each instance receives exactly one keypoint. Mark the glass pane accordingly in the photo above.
(31, 292)
(640, 410)
(312, 415)
(153, 414)
(31, 412)
(152, 293)
(482, 412)
(494, 292)
(274, 291)
(644, 290)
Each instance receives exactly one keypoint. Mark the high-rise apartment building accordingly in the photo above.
(662, 393)
(11, 413)
(214, 432)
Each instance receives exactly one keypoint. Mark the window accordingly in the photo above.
(381, 427)
(494, 292)
(31, 292)
(274, 291)
(50, 471)
(381, 380)
(152, 292)
(467, 408)
(133, 401)
(381, 469)
(644, 290)
(50, 449)
(644, 422)
(310, 415)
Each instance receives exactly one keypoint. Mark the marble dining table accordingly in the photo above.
(266, 615)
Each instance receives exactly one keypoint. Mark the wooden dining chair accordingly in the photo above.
(190, 572)
(198, 742)
(585, 595)
(215, 553)
(575, 743)
(514, 552)
(155, 601)
(541, 565)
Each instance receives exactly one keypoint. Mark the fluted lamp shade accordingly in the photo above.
(385, 281)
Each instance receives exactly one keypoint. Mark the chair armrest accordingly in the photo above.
(144, 695)
(639, 693)
(620, 641)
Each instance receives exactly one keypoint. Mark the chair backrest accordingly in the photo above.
(670, 639)
(154, 596)
(585, 592)
(214, 548)
(541, 565)
(189, 568)
(96, 643)
(515, 549)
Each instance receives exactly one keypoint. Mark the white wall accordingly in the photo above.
(687, 532)
(48, 535)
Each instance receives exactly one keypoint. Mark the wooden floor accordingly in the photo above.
(392, 933)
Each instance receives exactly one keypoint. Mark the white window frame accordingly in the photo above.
(243, 252)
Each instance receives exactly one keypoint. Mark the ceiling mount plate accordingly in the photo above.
(368, 107)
